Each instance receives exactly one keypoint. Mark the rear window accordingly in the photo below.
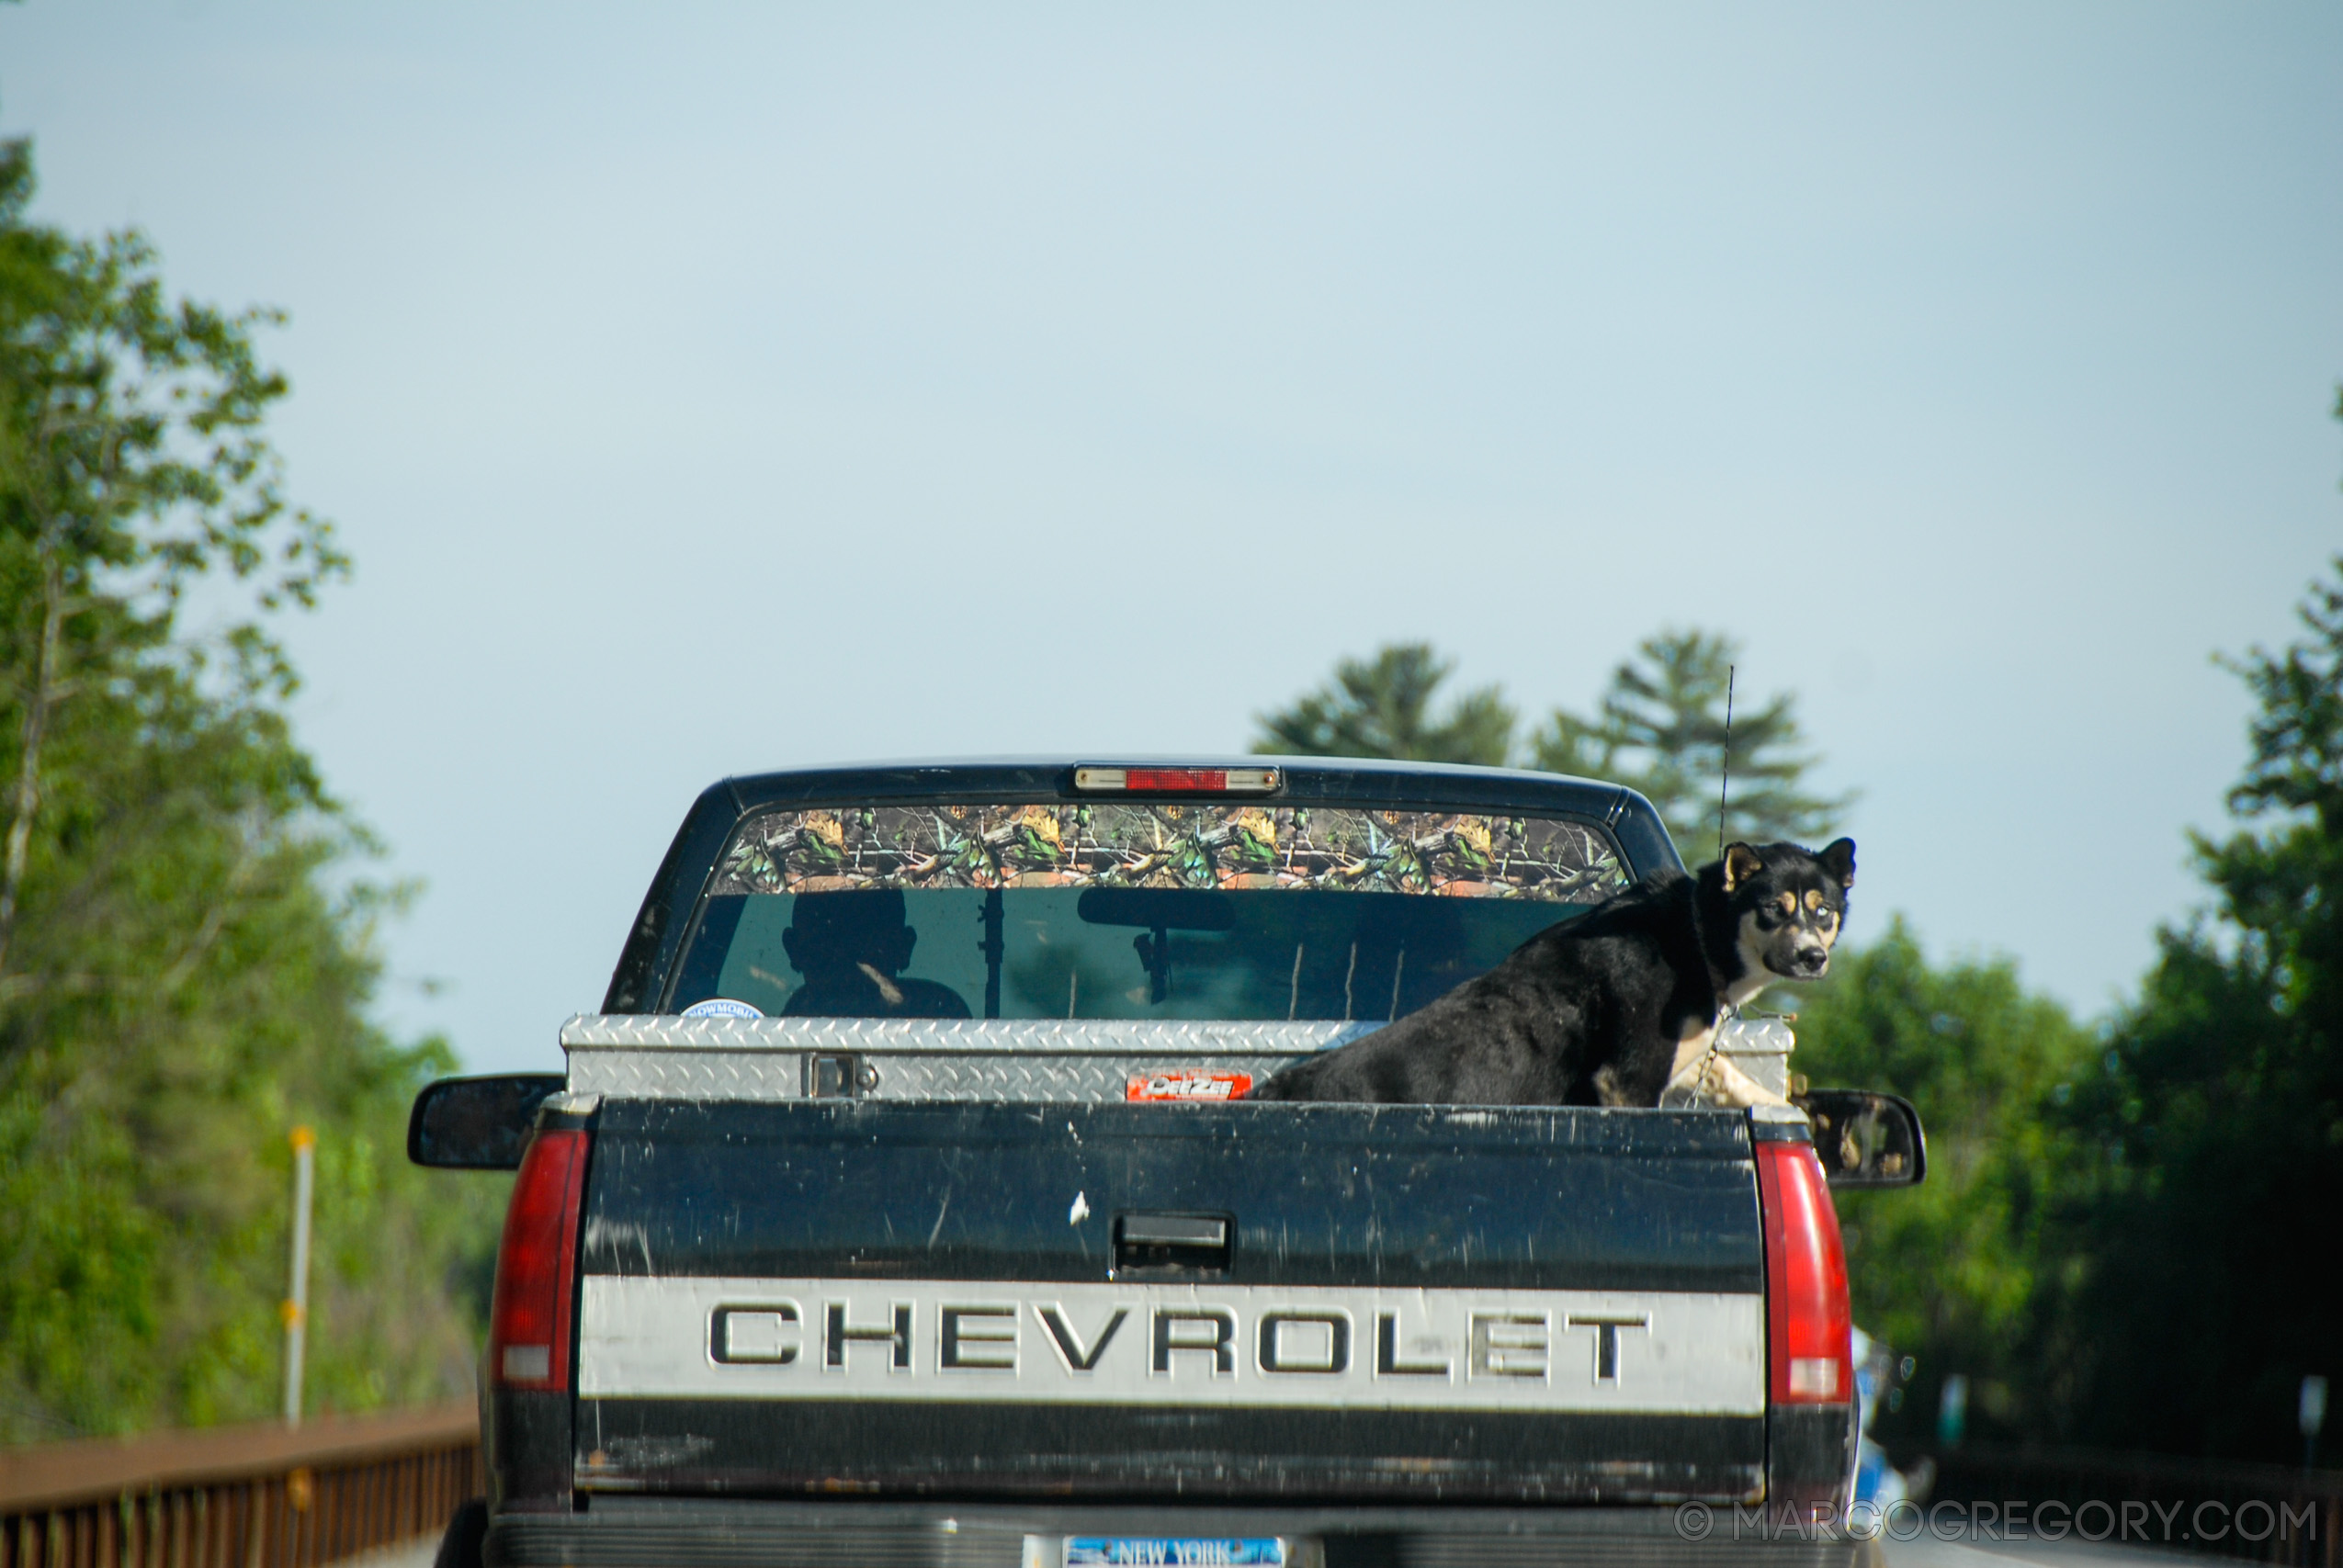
(1128, 911)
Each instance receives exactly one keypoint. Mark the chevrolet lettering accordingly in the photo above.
(935, 1341)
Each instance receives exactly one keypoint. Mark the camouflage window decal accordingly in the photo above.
(1229, 847)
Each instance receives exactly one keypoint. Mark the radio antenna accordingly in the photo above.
(1724, 764)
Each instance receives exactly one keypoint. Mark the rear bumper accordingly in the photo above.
(679, 1533)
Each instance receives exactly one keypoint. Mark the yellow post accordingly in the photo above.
(296, 1297)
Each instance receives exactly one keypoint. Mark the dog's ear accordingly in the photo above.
(1741, 862)
(1838, 860)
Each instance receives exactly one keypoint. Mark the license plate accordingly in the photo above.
(1172, 1552)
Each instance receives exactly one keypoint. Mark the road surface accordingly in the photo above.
(1927, 1553)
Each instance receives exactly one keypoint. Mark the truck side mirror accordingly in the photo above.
(478, 1124)
(1864, 1138)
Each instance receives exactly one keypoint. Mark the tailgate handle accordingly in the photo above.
(1184, 1244)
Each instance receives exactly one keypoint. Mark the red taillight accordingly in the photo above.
(536, 1269)
(1808, 1348)
(1207, 781)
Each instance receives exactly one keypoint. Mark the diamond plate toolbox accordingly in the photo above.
(1036, 1060)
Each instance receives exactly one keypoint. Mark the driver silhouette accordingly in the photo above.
(851, 948)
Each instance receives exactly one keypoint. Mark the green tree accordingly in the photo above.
(1660, 729)
(1385, 708)
(1952, 1272)
(183, 966)
(2213, 1126)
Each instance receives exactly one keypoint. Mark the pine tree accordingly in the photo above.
(1385, 708)
(1661, 730)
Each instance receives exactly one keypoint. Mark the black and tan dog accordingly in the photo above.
(1612, 1008)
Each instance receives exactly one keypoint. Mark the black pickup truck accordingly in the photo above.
(901, 1204)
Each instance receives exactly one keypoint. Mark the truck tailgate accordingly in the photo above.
(1134, 1301)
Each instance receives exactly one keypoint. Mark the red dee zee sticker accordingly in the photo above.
(1182, 1083)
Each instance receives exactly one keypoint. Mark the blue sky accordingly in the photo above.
(717, 388)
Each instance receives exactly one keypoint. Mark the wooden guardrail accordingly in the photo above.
(2288, 1515)
(239, 1497)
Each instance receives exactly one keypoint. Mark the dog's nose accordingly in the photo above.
(1814, 960)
